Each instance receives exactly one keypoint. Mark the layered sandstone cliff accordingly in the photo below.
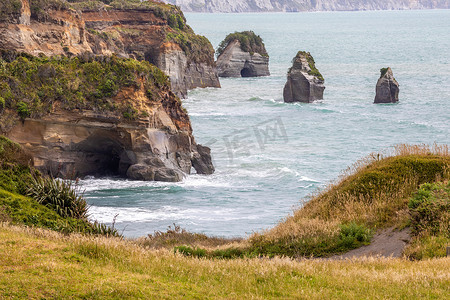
(145, 31)
(100, 115)
(236, 6)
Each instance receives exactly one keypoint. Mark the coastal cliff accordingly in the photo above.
(97, 115)
(150, 31)
(237, 6)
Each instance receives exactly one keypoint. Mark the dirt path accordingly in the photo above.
(385, 243)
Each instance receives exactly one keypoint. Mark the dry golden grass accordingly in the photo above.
(38, 264)
(176, 236)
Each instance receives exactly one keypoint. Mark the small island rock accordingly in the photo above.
(242, 54)
(304, 81)
(387, 87)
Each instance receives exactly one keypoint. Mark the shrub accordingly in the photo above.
(2, 104)
(429, 208)
(430, 221)
(353, 235)
(250, 42)
(60, 196)
(22, 110)
(188, 251)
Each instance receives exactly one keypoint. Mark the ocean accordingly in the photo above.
(271, 156)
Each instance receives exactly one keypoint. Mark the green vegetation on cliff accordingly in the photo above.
(312, 64)
(9, 10)
(35, 86)
(250, 42)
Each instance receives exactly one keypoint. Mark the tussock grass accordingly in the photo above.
(38, 263)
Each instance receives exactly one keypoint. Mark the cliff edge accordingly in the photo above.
(149, 30)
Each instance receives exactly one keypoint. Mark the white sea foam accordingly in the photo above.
(165, 213)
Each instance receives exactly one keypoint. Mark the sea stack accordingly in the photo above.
(387, 87)
(242, 54)
(304, 81)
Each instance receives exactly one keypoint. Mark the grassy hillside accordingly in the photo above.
(372, 194)
(40, 264)
(410, 188)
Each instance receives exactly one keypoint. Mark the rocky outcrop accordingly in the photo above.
(77, 122)
(236, 6)
(234, 62)
(387, 88)
(304, 81)
(184, 74)
(143, 32)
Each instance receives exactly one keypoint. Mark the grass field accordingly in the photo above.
(38, 264)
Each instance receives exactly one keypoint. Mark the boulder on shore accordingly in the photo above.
(242, 54)
(387, 87)
(304, 81)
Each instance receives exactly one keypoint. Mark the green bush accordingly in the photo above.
(430, 221)
(60, 196)
(353, 235)
(22, 110)
(250, 42)
(228, 253)
(40, 8)
(2, 104)
(188, 251)
(430, 208)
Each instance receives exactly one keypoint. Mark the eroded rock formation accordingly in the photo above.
(234, 62)
(387, 88)
(98, 116)
(242, 54)
(154, 32)
(304, 81)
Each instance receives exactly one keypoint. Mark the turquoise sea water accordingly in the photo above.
(270, 155)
